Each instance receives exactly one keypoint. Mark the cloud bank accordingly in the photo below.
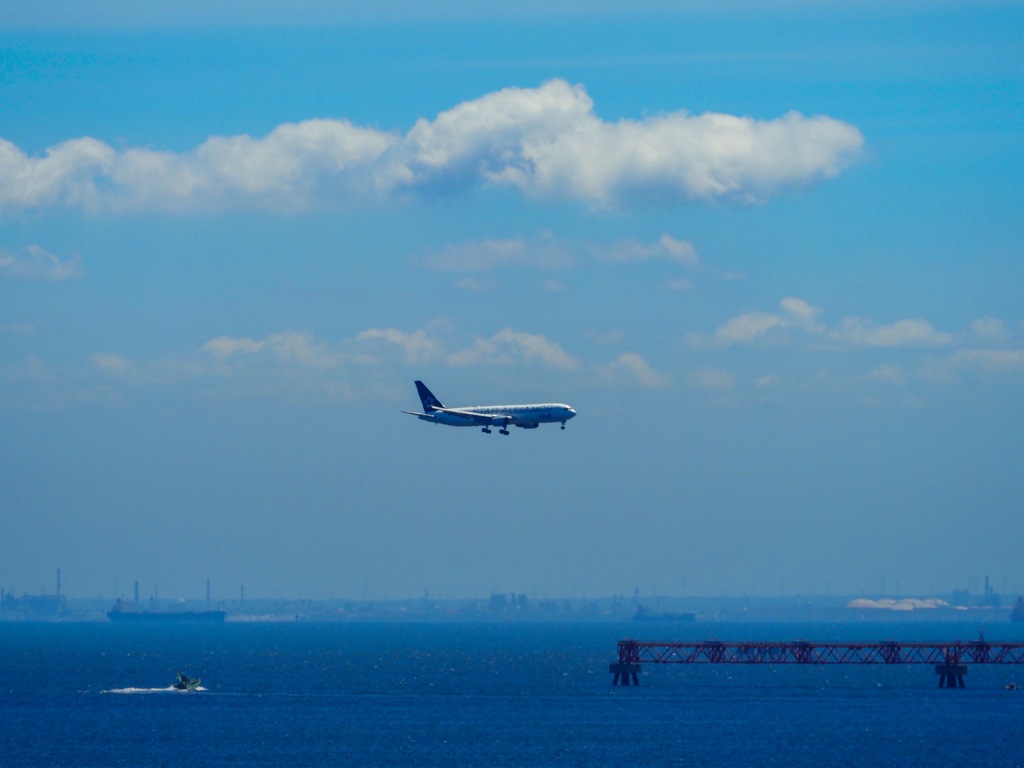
(355, 367)
(359, 366)
(547, 252)
(36, 264)
(797, 315)
(545, 142)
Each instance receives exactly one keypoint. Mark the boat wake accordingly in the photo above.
(168, 689)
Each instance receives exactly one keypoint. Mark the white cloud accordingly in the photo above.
(797, 314)
(281, 361)
(481, 352)
(681, 251)
(546, 252)
(508, 347)
(888, 374)
(542, 252)
(746, 328)
(536, 348)
(632, 368)
(546, 142)
(991, 360)
(287, 169)
(225, 346)
(750, 327)
(34, 263)
(710, 377)
(294, 363)
(65, 175)
(799, 309)
(677, 157)
(419, 346)
(289, 349)
(861, 332)
(906, 346)
(302, 350)
(989, 329)
(667, 248)
(487, 138)
(109, 362)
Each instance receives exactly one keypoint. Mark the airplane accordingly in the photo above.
(487, 416)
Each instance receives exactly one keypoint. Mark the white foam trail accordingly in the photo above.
(168, 689)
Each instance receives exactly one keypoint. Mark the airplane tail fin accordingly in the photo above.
(427, 397)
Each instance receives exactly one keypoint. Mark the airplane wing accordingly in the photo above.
(417, 413)
(479, 418)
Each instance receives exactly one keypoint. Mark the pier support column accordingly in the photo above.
(951, 675)
(623, 671)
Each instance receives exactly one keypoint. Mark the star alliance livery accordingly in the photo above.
(487, 416)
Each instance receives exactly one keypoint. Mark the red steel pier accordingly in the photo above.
(950, 659)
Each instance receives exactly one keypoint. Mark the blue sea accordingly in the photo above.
(516, 694)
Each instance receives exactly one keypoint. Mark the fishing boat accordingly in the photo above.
(186, 683)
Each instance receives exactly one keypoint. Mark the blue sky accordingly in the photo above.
(771, 253)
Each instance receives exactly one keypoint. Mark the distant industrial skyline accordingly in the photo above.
(974, 592)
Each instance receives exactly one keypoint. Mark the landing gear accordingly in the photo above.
(503, 431)
(486, 430)
(563, 425)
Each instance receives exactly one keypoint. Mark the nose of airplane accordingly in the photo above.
(572, 413)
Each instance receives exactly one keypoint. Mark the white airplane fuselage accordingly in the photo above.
(524, 416)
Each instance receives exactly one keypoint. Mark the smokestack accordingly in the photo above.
(58, 582)
(207, 594)
(136, 593)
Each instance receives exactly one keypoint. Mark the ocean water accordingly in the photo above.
(514, 694)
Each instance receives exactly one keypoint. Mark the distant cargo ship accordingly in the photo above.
(127, 612)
